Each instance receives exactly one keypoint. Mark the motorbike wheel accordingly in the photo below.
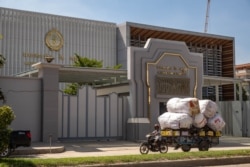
(5, 152)
(203, 146)
(186, 148)
(163, 148)
(144, 148)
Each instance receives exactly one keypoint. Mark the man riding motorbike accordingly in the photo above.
(157, 134)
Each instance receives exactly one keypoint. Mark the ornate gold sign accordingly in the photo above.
(173, 75)
(54, 40)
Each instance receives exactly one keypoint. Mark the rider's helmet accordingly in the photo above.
(157, 126)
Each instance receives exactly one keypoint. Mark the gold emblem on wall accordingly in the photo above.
(54, 40)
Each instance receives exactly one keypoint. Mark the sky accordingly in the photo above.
(226, 17)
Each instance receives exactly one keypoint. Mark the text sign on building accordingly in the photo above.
(172, 76)
(172, 86)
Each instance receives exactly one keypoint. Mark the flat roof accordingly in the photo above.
(215, 80)
(151, 31)
(85, 75)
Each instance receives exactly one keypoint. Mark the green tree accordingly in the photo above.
(2, 60)
(86, 62)
(72, 88)
(244, 93)
(79, 61)
(6, 117)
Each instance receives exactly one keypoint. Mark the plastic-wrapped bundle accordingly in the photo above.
(199, 120)
(170, 120)
(184, 105)
(208, 108)
(216, 123)
(186, 122)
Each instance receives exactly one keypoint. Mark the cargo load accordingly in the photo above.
(199, 120)
(189, 106)
(201, 112)
(190, 122)
(208, 108)
(216, 123)
(170, 120)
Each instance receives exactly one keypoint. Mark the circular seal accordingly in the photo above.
(54, 40)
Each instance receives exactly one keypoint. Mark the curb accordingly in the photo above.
(40, 150)
(183, 163)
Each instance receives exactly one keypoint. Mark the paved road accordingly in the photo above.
(111, 148)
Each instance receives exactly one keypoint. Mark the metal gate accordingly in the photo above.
(87, 116)
(236, 115)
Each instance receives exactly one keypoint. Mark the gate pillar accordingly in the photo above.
(49, 73)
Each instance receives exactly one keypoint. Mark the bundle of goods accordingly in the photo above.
(170, 120)
(189, 106)
(208, 108)
(184, 113)
(216, 123)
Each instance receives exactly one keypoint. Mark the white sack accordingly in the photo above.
(186, 122)
(184, 105)
(199, 120)
(216, 123)
(208, 108)
(170, 120)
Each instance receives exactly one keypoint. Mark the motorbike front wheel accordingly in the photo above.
(163, 148)
(144, 148)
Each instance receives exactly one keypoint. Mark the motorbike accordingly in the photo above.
(150, 145)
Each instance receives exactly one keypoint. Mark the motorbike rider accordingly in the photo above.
(156, 133)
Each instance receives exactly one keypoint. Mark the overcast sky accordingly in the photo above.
(226, 17)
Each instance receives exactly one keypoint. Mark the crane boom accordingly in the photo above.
(207, 16)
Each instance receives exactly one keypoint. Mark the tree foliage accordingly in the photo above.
(6, 117)
(72, 88)
(244, 93)
(86, 62)
(2, 60)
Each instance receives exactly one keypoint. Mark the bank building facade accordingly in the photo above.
(158, 63)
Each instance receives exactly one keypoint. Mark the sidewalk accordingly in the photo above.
(109, 148)
(40, 148)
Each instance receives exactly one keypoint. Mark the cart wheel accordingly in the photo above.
(163, 148)
(5, 153)
(203, 146)
(144, 148)
(186, 148)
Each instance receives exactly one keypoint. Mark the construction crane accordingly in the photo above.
(207, 16)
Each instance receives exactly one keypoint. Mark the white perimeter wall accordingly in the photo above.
(23, 95)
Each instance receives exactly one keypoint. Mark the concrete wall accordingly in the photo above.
(232, 113)
(23, 95)
(84, 116)
(89, 117)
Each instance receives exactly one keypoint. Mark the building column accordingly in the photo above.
(240, 91)
(217, 93)
(49, 73)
